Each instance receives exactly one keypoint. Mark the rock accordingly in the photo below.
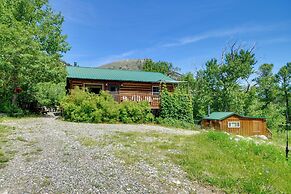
(237, 139)
(263, 137)
(177, 182)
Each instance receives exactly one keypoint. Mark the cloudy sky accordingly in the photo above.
(185, 32)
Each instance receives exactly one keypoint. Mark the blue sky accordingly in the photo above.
(186, 33)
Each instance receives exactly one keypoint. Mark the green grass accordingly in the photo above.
(87, 141)
(20, 138)
(4, 156)
(215, 159)
(279, 139)
(172, 123)
(11, 118)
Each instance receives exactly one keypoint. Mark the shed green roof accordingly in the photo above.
(218, 115)
(224, 115)
(116, 75)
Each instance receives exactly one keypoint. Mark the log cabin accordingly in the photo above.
(236, 124)
(121, 84)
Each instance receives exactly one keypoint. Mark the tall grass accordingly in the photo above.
(215, 158)
(240, 167)
(4, 157)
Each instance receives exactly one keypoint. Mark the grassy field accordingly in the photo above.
(4, 156)
(215, 158)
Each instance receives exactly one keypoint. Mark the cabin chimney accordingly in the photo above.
(209, 111)
(75, 64)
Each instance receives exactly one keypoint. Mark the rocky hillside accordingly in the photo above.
(128, 64)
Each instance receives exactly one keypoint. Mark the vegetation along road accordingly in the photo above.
(48, 155)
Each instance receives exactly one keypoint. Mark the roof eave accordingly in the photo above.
(68, 77)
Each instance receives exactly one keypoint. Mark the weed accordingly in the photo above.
(87, 141)
(20, 138)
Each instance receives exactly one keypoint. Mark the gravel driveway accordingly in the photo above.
(49, 159)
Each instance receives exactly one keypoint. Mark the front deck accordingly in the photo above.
(153, 99)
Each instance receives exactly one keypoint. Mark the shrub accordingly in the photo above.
(49, 94)
(169, 122)
(82, 106)
(10, 109)
(135, 112)
(176, 105)
(108, 108)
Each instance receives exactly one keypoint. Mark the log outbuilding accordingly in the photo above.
(236, 124)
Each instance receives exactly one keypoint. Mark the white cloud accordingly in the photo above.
(216, 34)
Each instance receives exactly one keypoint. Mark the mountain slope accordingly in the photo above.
(128, 64)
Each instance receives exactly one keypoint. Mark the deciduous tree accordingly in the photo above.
(31, 45)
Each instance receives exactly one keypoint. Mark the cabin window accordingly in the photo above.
(156, 90)
(113, 88)
(233, 124)
(94, 88)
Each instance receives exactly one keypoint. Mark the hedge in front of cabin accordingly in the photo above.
(82, 106)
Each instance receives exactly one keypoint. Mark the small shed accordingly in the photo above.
(237, 124)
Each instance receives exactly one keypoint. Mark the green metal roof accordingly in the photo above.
(218, 115)
(116, 75)
(224, 115)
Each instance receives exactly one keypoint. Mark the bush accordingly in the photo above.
(82, 106)
(135, 112)
(108, 107)
(169, 122)
(177, 106)
(10, 109)
(49, 94)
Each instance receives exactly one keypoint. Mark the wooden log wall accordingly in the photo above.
(124, 87)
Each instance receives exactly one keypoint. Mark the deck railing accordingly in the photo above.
(153, 99)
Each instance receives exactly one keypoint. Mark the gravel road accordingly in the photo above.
(49, 159)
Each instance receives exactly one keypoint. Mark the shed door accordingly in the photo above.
(256, 126)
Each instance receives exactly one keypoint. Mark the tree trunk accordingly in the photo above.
(14, 99)
(287, 102)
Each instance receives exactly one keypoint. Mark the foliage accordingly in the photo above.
(10, 109)
(49, 94)
(226, 86)
(161, 67)
(176, 105)
(267, 85)
(223, 79)
(82, 106)
(169, 122)
(108, 107)
(31, 47)
(275, 116)
(284, 79)
(135, 112)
